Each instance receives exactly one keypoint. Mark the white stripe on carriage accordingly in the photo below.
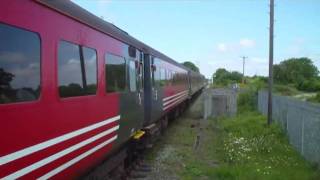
(178, 94)
(29, 150)
(77, 159)
(174, 99)
(165, 99)
(176, 102)
(58, 155)
(167, 107)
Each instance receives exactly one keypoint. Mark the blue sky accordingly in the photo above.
(215, 33)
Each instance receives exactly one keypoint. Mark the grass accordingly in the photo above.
(248, 149)
(242, 147)
(315, 99)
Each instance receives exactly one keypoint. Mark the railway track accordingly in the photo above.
(134, 167)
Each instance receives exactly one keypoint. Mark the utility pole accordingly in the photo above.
(270, 62)
(243, 65)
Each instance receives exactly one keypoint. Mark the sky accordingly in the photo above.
(217, 33)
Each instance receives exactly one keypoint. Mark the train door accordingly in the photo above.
(132, 101)
(152, 93)
(156, 91)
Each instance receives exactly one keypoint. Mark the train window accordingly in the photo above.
(173, 78)
(177, 78)
(69, 71)
(115, 73)
(157, 76)
(163, 77)
(169, 77)
(132, 76)
(90, 62)
(19, 65)
(132, 51)
(77, 70)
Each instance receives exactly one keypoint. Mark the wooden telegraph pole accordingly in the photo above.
(270, 62)
(243, 65)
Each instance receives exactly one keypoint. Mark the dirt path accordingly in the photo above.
(183, 147)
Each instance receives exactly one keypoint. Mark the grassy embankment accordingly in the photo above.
(242, 147)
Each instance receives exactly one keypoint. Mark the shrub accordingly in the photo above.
(286, 90)
(247, 101)
(309, 85)
(316, 98)
(258, 83)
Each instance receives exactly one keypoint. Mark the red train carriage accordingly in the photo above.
(74, 89)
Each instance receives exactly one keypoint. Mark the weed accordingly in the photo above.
(252, 150)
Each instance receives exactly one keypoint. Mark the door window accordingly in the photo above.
(132, 76)
(115, 73)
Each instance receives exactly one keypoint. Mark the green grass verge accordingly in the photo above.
(315, 99)
(238, 148)
(248, 149)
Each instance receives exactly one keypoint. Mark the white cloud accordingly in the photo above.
(222, 47)
(243, 43)
(247, 43)
(227, 55)
(254, 65)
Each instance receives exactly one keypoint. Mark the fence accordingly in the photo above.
(300, 120)
(220, 102)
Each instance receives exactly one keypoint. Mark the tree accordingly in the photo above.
(236, 76)
(191, 66)
(5, 79)
(224, 77)
(295, 71)
(6, 91)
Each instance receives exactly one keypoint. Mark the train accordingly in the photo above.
(77, 92)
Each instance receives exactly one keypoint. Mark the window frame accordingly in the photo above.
(97, 66)
(129, 75)
(105, 74)
(39, 98)
(81, 56)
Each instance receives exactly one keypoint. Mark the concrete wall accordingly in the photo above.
(219, 102)
(300, 120)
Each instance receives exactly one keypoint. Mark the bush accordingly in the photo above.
(258, 83)
(247, 101)
(315, 99)
(286, 90)
(309, 85)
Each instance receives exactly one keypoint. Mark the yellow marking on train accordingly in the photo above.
(137, 135)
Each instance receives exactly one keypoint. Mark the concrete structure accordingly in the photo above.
(219, 102)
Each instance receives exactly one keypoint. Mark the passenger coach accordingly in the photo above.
(76, 91)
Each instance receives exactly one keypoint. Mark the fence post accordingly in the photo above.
(302, 136)
(287, 119)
